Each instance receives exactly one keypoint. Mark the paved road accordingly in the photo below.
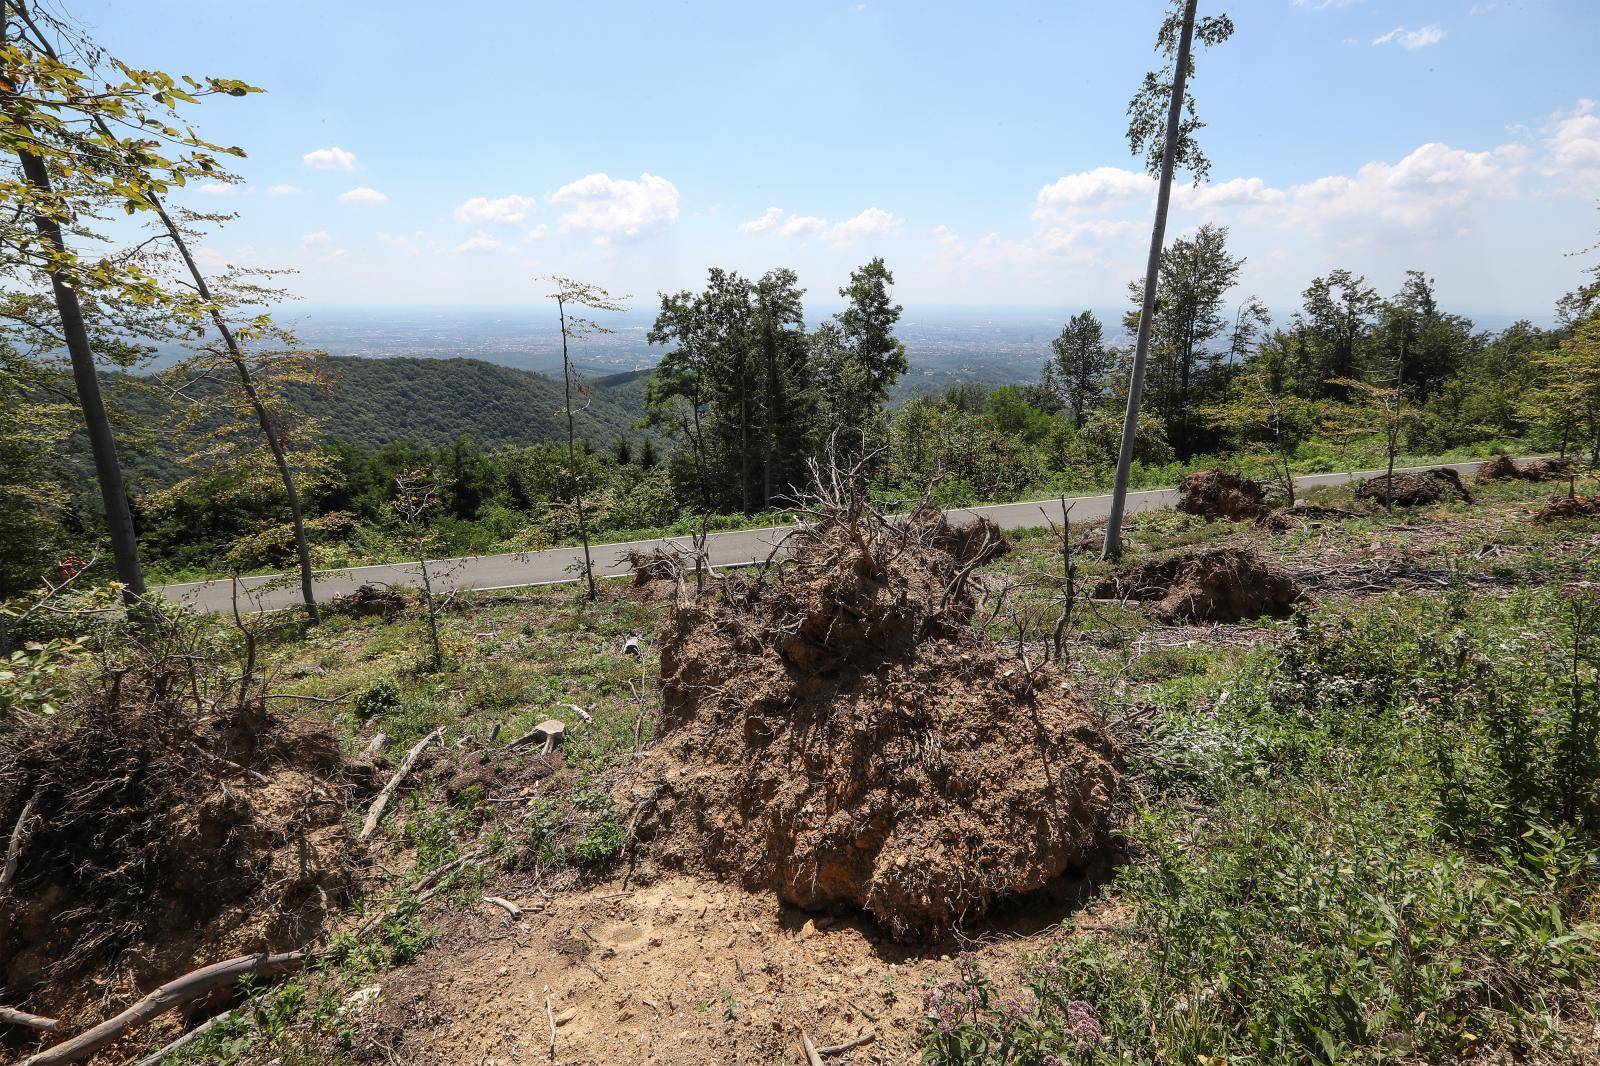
(560, 565)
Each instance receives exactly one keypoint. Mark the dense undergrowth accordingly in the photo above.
(1378, 843)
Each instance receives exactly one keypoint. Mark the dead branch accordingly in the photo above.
(550, 1016)
(37, 1022)
(506, 905)
(375, 813)
(162, 1054)
(14, 849)
(840, 1049)
(175, 993)
(810, 1049)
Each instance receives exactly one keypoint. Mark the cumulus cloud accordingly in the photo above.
(616, 207)
(221, 188)
(1237, 192)
(1573, 144)
(478, 243)
(363, 194)
(502, 211)
(769, 218)
(1070, 196)
(872, 222)
(1411, 40)
(1428, 191)
(802, 226)
(334, 158)
(283, 190)
(537, 233)
(316, 239)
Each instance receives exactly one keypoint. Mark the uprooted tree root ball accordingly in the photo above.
(1301, 516)
(1414, 489)
(159, 839)
(1214, 585)
(835, 730)
(1564, 507)
(1217, 493)
(1504, 468)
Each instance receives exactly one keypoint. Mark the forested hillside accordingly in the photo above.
(374, 402)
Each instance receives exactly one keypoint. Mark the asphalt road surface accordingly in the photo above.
(560, 565)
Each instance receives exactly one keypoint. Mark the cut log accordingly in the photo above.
(176, 993)
(375, 812)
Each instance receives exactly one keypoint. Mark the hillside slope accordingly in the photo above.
(433, 401)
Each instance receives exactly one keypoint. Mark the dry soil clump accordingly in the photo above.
(836, 731)
(1302, 515)
(1214, 585)
(1213, 494)
(1414, 489)
(160, 839)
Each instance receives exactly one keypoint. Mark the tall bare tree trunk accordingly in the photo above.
(102, 442)
(1141, 351)
(572, 454)
(269, 428)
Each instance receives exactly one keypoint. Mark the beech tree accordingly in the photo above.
(1165, 146)
(85, 137)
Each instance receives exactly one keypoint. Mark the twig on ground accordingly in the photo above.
(840, 1049)
(550, 1016)
(375, 813)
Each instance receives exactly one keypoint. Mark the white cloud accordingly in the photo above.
(1411, 40)
(1430, 190)
(1483, 9)
(947, 237)
(537, 233)
(802, 226)
(1237, 192)
(1573, 143)
(221, 188)
(872, 222)
(503, 211)
(617, 207)
(363, 194)
(478, 242)
(1090, 190)
(334, 158)
(1323, 5)
(320, 242)
(283, 190)
(769, 218)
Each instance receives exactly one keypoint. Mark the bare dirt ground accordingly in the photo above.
(685, 971)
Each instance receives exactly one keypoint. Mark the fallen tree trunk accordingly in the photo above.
(175, 993)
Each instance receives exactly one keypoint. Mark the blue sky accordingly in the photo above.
(442, 155)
